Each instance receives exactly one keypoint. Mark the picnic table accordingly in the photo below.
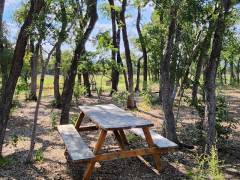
(112, 118)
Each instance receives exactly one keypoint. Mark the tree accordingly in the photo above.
(170, 124)
(144, 50)
(131, 101)
(87, 24)
(16, 66)
(210, 75)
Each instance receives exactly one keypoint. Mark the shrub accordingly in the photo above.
(5, 161)
(54, 119)
(207, 167)
(74, 118)
(120, 97)
(38, 155)
(79, 91)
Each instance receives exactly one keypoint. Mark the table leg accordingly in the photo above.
(151, 144)
(123, 136)
(119, 139)
(79, 121)
(97, 148)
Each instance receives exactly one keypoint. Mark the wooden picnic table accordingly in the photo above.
(112, 118)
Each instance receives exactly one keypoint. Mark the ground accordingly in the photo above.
(53, 165)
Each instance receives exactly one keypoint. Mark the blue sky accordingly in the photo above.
(102, 24)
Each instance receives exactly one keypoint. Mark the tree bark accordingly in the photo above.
(87, 83)
(238, 72)
(70, 79)
(16, 67)
(119, 58)
(115, 72)
(62, 37)
(232, 76)
(203, 58)
(34, 64)
(131, 101)
(210, 77)
(138, 75)
(170, 124)
(144, 51)
(57, 65)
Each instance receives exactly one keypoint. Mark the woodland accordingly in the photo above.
(175, 63)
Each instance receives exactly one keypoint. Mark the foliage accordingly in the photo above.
(224, 123)
(6, 161)
(79, 91)
(74, 118)
(132, 138)
(38, 155)
(54, 119)
(207, 167)
(120, 97)
(146, 104)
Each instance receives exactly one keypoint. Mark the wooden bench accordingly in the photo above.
(158, 140)
(76, 147)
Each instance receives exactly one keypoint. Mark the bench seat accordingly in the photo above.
(76, 147)
(160, 141)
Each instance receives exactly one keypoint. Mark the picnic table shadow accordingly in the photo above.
(130, 168)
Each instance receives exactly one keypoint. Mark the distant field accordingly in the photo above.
(100, 82)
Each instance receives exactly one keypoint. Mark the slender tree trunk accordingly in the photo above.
(144, 51)
(34, 64)
(16, 67)
(210, 77)
(119, 58)
(238, 72)
(131, 101)
(87, 83)
(70, 79)
(62, 37)
(170, 124)
(115, 73)
(79, 78)
(225, 72)
(138, 75)
(34, 128)
(203, 58)
(232, 76)
(57, 65)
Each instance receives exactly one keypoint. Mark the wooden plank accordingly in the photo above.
(111, 117)
(88, 128)
(79, 121)
(128, 154)
(149, 140)
(91, 164)
(119, 139)
(76, 147)
(123, 136)
(158, 140)
(148, 165)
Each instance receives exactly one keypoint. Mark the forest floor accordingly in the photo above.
(52, 164)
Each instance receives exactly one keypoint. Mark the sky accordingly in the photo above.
(102, 24)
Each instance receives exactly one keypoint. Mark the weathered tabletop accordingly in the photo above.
(110, 117)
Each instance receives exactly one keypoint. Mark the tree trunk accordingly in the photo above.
(62, 37)
(115, 73)
(170, 124)
(131, 101)
(119, 58)
(138, 75)
(34, 64)
(144, 51)
(80, 46)
(34, 128)
(238, 72)
(232, 77)
(57, 65)
(203, 58)
(16, 67)
(210, 78)
(87, 83)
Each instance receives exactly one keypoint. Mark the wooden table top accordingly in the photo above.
(111, 117)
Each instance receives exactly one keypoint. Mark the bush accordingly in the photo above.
(5, 161)
(54, 119)
(38, 155)
(207, 167)
(120, 97)
(79, 91)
